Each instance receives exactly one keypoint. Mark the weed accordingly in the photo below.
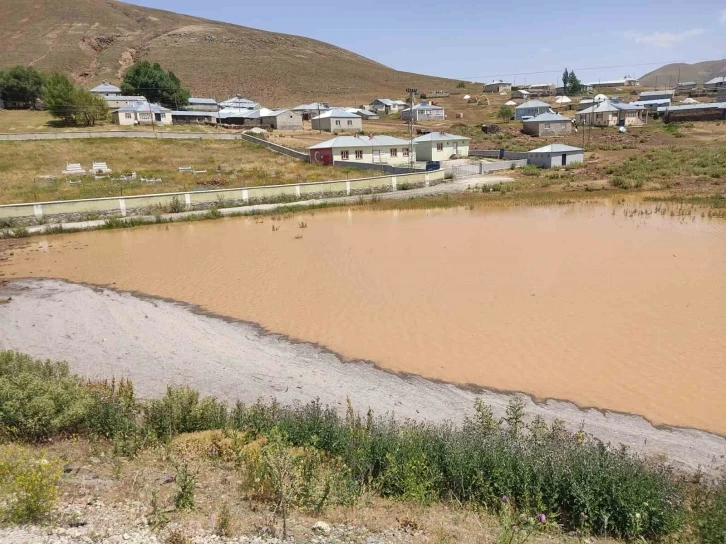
(177, 536)
(186, 481)
(531, 170)
(223, 523)
(214, 213)
(302, 225)
(157, 518)
(176, 205)
(20, 232)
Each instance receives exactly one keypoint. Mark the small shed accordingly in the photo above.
(556, 156)
(547, 124)
(283, 120)
(337, 120)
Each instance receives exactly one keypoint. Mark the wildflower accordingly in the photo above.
(637, 515)
(505, 499)
(541, 518)
(169, 480)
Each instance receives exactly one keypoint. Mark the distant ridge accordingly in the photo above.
(96, 40)
(672, 73)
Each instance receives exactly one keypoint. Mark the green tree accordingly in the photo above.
(461, 85)
(75, 106)
(505, 113)
(566, 80)
(150, 80)
(575, 86)
(22, 84)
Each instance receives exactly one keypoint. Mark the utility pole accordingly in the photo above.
(411, 92)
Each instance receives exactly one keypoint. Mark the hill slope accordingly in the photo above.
(699, 72)
(97, 39)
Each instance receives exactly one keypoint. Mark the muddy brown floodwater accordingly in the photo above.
(575, 302)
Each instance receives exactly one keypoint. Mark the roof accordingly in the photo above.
(337, 113)
(656, 93)
(384, 101)
(650, 102)
(143, 107)
(500, 82)
(719, 79)
(127, 98)
(563, 100)
(522, 91)
(440, 137)
(533, 104)
(425, 107)
(275, 113)
(687, 107)
(187, 113)
(361, 112)
(106, 87)
(359, 141)
(239, 102)
(312, 106)
(684, 83)
(538, 85)
(556, 148)
(510, 103)
(548, 117)
(607, 106)
(611, 82)
(203, 101)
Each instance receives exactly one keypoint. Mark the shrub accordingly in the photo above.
(223, 523)
(28, 484)
(176, 205)
(186, 481)
(710, 514)
(39, 399)
(531, 170)
(182, 411)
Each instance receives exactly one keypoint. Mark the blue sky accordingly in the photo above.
(484, 41)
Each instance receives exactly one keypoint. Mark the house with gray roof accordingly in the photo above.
(547, 124)
(440, 146)
(362, 149)
(498, 87)
(425, 111)
(387, 106)
(715, 83)
(652, 105)
(106, 89)
(239, 103)
(142, 113)
(657, 95)
(612, 114)
(308, 111)
(555, 156)
(363, 113)
(714, 111)
(337, 120)
(202, 104)
(119, 101)
(531, 108)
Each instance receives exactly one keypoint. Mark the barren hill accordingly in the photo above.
(699, 72)
(97, 39)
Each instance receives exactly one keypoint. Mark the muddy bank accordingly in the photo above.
(102, 333)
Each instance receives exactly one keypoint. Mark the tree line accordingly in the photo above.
(26, 87)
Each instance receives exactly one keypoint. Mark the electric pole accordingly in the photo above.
(411, 92)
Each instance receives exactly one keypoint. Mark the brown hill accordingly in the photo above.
(699, 72)
(97, 39)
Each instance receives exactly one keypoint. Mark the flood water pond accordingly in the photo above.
(583, 302)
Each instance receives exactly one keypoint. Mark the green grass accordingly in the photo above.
(540, 468)
(669, 165)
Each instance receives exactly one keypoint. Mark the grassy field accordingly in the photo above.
(228, 164)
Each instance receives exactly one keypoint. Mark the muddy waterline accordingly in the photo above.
(576, 302)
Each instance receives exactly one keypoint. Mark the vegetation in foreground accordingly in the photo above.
(310, 458)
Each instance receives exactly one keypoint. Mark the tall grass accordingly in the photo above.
(541, 468)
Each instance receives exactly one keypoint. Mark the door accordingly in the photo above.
(564, 159)
(456, 148)
(376, 156)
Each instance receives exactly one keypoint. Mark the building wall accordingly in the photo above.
(425, 115)
(289, 120)
(337, 124)
(554, 160)
(553, 128)
(526, 112)
(202, 107)
(124, 118)
(368, 154)
(427, 151)
(115, 104)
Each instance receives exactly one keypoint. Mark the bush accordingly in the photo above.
(28, 484)
(39, 399)
(181, 411)
(531, 170)
(176, 205)
(710, 514)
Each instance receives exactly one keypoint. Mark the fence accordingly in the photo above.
(120, 134)
(387, 168)
(459, 171)
(498, 154)
(276, 147)
(80, 210)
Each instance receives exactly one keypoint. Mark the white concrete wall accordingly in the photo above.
(338, 124)
(427, 151)
(385, 154)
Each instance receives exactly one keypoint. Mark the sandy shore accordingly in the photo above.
(103, 333)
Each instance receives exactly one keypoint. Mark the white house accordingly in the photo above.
(424, 112)
(387, 106)
(362, 149)
(611, 114)
(440, 146)
(555, 155)
(119, 101)
(337, 120)
(106, 89)
(142, 113)
(239, 103)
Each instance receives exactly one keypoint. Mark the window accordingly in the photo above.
(337, 123)
(439, 147)
(344, 155)
(394, 152)
(547, 125)
(405, 152)
(350, 123)
(359, 154)
(129, 116)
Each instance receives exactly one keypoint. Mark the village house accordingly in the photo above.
(308, 111)
(611, 114)
(106, 89)
(283, 120)
(521, 93)
(202, 104)
(547, 124)
(555, 156)
(142, 113)
(186, 117)
(239, 103)
(440, 146)
(363, 113)
(657, 95)
(531, 108)
(362, 149)
(720, 96)
(387, 106)
(119, 101)
(542, 89)
(625, 82)
(715, 83)
(684, 86)
(337, 120)
(424, 111)
(498, 87)
(652, 105)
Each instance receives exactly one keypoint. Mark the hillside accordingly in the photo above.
(699, 72)
(97, 39)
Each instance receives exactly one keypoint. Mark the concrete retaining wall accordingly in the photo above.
(387, 168)
(502, 165)
(276, 147)
(80, 210)
(494, 154)
(88, 134)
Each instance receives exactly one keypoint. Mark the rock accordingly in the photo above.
(321, 528)
(373, 540)
(126, 536)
